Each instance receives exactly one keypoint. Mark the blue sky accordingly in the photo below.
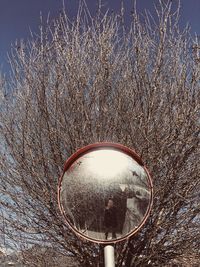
(17, 17)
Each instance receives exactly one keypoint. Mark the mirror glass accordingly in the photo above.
(105, 194)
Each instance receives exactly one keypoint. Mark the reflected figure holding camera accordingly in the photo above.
(110, 219)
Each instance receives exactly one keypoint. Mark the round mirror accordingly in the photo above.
(105, 192)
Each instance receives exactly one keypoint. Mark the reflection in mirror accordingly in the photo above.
(105, 194)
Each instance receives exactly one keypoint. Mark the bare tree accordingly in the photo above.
(91, 80)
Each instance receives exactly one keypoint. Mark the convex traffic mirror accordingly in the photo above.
(105, 192)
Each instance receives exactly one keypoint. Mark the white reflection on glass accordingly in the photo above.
(105, 194)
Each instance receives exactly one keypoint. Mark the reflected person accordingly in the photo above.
(110, 219)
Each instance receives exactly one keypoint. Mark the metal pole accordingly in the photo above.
(109, 256)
